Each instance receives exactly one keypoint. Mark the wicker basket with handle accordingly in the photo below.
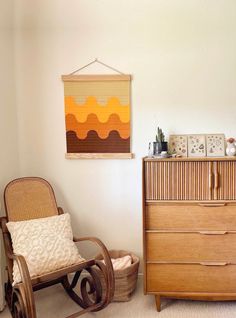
(125, 279)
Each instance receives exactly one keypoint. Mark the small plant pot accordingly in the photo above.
(159, 147)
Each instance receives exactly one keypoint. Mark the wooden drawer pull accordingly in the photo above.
(210, 180)
(213, 232)
(211, 205)
(214, 263)
(216, 181)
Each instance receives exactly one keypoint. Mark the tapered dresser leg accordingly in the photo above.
(158, 302)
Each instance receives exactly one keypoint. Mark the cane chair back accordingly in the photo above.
(29, 198)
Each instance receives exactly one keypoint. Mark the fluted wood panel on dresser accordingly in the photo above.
(189, 228)
(177, 180)
(190, 180)
(225, 175)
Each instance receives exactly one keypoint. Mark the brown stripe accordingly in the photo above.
(93, 144)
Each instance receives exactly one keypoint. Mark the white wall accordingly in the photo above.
(181, 54)
(8, 118)
(8, 111)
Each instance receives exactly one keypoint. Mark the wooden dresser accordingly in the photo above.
(189, 228)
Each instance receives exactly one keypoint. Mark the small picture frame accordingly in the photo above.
(196, 145)
(178, 144)
(215, 145)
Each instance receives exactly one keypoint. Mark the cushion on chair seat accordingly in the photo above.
(46, 243)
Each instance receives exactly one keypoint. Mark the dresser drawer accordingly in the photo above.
(195, 216)
(191, 278)
(194, 247)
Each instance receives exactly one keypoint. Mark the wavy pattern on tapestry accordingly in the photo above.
(97, 114)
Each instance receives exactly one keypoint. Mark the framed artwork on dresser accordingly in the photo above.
(196, 146)
(215, 145)
(178, 144)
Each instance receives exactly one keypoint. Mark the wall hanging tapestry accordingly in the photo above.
(97, 115)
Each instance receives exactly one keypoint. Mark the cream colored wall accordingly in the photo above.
(182, 55)
(8, 111)
(8, 119)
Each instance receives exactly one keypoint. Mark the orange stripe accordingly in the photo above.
(92, 123)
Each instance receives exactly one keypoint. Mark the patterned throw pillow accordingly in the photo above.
(46, 243)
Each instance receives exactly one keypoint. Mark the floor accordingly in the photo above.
(53, 303)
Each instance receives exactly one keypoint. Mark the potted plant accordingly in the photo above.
(160, 144)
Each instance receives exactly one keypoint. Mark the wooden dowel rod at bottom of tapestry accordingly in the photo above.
(99, 155)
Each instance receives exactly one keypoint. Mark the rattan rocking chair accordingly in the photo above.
(32, 198)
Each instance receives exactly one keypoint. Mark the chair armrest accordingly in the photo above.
(107, 261)
(23, 268)
(26, 281)
(19, 259)
(98, 242)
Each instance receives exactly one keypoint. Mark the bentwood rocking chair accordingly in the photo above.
(33, 198)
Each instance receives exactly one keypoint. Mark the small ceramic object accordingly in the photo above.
(231, 147)
(151, 149)
(164, 154)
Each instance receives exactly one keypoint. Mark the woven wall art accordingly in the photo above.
(97, 115)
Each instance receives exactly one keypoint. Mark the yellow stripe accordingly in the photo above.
(91, 106)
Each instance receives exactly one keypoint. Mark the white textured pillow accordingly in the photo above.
(46, 243)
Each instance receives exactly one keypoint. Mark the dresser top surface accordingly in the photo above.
(191, 159)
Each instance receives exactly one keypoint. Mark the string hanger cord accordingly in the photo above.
(100, 62)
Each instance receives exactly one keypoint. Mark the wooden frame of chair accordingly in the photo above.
(20, 297)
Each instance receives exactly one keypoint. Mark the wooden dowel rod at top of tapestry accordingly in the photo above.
(97, 114)
(92, 78)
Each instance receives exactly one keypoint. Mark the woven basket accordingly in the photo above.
(125, 279)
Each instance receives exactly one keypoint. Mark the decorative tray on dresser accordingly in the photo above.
(189, 228)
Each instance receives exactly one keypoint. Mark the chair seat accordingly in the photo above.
(61, 272)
